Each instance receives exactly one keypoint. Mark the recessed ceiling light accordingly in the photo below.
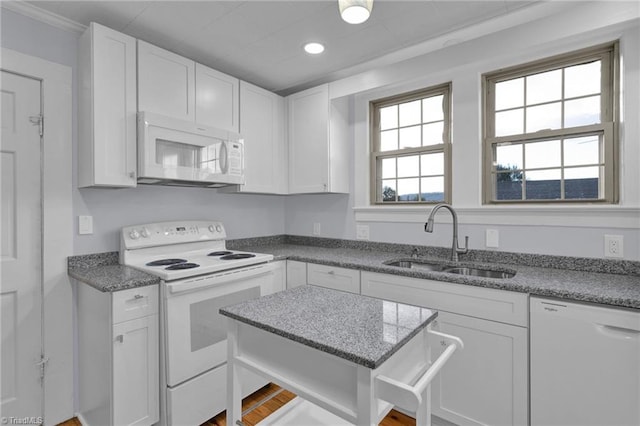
(313, 48)
(355, 11)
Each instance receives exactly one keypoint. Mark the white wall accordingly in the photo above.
(571, 231)
(244, 215)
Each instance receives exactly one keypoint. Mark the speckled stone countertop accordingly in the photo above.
(102, 272)
(618, 285)
(360, 329)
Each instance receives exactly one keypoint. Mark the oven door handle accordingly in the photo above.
(205, 281)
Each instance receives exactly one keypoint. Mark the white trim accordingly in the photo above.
(43, 15)
(580, 217)
(58, 228)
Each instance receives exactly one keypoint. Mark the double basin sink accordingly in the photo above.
(440, 267)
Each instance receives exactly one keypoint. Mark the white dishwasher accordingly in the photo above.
(585, 364)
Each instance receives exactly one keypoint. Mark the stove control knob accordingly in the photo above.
(144, 232)
(134, 235)
(218, 228)
(211, 228)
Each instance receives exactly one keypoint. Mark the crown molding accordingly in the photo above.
(42, 15)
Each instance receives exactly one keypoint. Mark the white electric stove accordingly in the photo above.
(199, 276)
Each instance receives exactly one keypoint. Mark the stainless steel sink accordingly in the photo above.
(415, 264)
(476, 272)
(438, 267)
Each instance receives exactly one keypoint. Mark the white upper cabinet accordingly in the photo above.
(217, 99)
(166, 83)
(262, 127)
(318, 144)
(107, 108)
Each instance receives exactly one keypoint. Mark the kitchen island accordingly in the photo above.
(337, 350)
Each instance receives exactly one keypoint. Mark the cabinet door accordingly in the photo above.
(262, 127)
(166, 82)
(309, 141)
(279, 276)
(136, 372)
(217, 99)
(107, 113)
(486, 382)
(333, 277)
(296, 273)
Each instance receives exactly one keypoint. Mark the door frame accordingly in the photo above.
(57, 228)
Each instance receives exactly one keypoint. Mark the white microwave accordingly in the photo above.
(177, 152)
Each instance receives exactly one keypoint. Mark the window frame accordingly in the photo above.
(608, 127)
(374, 142)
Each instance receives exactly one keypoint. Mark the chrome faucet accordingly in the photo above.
(455, 248)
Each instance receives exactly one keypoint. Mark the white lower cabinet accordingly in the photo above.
(333, 277)
(118, 348)
(279, 276)
(296, 273)
(486, 383)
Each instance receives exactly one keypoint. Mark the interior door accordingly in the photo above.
(21, 263)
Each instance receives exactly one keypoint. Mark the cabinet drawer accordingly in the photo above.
(334, 277)
(495, 305)
(134, 303)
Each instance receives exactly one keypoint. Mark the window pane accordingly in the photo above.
(432, 109)
(508, 186)
(510, 122)
(432, 134)
(432, 164)
(582, 112)
(388, 190)
(544, 87)
(389, 140)
(510, 93)
(410, 137)
(542, 154)
(543, 184)
(544, 117)
(388, 168)
(582, 182)
(410, 113)
(389, 117)
(584, 150)
(408, 166)
(408, 189)
(508, 157)
(432, 189)
(581, 80)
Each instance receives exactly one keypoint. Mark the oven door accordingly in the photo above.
(196, 333)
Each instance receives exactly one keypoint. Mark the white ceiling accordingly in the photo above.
(261, 41)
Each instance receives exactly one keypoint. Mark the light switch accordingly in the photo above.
(85, 225)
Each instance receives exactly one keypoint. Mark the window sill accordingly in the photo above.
(591, 216)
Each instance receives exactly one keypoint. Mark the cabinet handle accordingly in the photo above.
(132, 175)
(120, 338)
(331, 273)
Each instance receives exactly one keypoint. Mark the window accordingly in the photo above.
(411, 155)
(550, 133)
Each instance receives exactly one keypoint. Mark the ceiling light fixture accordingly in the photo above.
(313, 48)
(355, 11)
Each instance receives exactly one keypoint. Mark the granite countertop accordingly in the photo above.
(360, 329)
(102, 272)
(616, 289)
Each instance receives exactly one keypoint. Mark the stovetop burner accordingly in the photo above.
(179, 266)
(220, 253)
(237, 256)
(165, 262)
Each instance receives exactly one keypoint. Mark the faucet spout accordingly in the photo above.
(455, 247)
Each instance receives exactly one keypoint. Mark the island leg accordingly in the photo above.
(367, 406)
(234, 397)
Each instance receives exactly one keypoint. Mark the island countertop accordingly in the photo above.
(360, 329)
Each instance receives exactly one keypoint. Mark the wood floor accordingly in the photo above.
(263, 402)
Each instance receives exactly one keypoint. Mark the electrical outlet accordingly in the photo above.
(316, 228)
(362, 232)
(85, 225)
(492, 238)
(613, 246)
